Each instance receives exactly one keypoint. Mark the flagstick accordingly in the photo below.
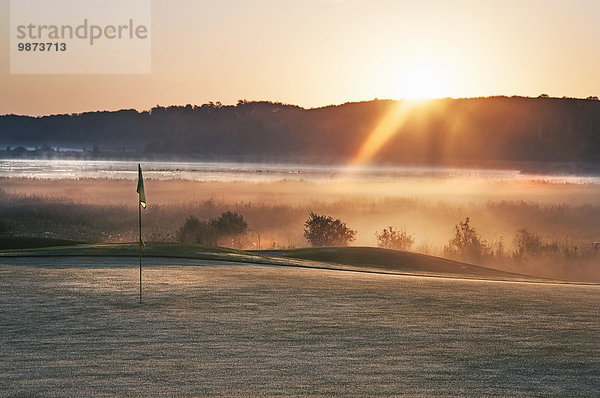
(140, 247)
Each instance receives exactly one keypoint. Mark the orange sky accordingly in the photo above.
(320, 52)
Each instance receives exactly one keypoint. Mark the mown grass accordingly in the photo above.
(363, 259)
(223, 330)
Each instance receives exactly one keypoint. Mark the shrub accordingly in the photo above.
(229, 223)
(209, 232)
(466, 242)
(391, 238)
(196, 231)
(321, 230)
(529, 244)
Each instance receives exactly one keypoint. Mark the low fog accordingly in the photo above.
(561, 212)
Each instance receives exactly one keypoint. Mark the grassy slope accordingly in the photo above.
(366, 259)
(152, 249)
(397, 261)
(18, 242)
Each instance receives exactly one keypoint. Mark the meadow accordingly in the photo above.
(235, 329)
(562, 212)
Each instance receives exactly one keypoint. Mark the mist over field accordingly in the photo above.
(562, 211)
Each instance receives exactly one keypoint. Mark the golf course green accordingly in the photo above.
(307, 322)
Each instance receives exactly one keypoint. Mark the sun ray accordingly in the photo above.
(382, 133)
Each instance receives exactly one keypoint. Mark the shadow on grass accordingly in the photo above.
(22, 242)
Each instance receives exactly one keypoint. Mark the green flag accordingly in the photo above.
(140, 187)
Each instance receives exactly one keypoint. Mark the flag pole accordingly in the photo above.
(141, 204)
(140, 246)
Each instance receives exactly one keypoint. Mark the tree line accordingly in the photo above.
(445, 131)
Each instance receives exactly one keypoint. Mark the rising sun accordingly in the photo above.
(421, 82)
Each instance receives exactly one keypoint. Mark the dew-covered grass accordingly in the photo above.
(73, 327)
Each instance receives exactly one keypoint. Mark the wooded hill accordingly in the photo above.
(438, 132)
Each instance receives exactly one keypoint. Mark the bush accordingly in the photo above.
(467, 243)
(391, 238)
(529, 244)
(229, 223)
(209, 232)
(196, 231)
(321, 230)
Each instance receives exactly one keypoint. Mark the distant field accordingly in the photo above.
(72, 327)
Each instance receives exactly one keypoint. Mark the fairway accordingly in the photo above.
(73, 327)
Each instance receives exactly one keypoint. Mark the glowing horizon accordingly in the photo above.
(320, 52)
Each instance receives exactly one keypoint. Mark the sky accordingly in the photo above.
(319, 52)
